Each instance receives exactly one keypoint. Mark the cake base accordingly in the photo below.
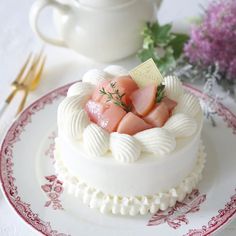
(126, 205)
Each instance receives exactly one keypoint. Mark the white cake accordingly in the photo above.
(129, 174)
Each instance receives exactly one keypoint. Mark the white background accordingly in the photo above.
(17, 40)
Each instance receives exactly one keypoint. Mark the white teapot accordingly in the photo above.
(105, 30)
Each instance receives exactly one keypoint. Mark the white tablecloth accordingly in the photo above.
(62, 66)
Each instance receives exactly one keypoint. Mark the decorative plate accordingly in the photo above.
(33, 190)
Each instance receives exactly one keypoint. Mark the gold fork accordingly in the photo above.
(27, 80)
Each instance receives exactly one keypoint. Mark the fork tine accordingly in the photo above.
(16, 82)
(31, 80)
(31, 70)
(36, 80)
(39, 57)
(27, 79)
(19, 76)
(41, 52)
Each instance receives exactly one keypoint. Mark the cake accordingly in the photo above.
(128, 150)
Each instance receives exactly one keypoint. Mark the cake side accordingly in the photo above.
(158, 173)
(126, 205)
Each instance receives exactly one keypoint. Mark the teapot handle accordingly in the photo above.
(35, 11)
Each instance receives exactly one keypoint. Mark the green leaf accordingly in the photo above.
(177, 43)
(163, 35)
(157, 35)
(148, 42)
(167, 61)
(160, 93)
(145, 54)
(161, 39)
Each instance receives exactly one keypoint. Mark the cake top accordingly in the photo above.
(111, 110)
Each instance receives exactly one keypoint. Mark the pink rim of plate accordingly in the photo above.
(23, 209)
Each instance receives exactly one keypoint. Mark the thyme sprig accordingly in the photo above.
(115, 96)
(160, 93)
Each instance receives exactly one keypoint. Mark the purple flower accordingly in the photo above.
(214, 40)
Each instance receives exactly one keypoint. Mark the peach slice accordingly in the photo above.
(124, 85)
(158, 116)
(143, 99)
(97, 94)
(171, 104)
(132, 124)
(111, 117)
(94, 110)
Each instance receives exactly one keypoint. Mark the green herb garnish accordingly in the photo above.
(160, 93)
(115, 96)
(160, 44)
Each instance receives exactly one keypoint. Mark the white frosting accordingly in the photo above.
(75, 123)
(132, 205)
(95, 140)
(115, 70)
(124, 147)
(85, 89)
(69, 105)
(94, 76)
(156, 140)
(173, 87)
(188, 104)
(181, 125)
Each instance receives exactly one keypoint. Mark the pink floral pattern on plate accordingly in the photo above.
(177, 215)
(7, 162)
(53, 189)
(216, 221)
(49, 151)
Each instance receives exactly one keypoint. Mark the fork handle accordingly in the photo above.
(3, 107)
(23, 101)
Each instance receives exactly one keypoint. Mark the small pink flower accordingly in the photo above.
(59, 182)
(51, 178)
(57, 206)
(58, 189)
(48, 203)
(46, 188)
(53, 196)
